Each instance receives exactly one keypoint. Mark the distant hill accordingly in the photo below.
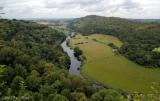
(140, 39)
(148, 20)
(100, 24)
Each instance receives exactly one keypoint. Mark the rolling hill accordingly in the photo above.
(139, 39)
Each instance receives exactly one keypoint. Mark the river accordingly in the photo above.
(75, 63)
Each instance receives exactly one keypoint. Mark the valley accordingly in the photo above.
(107, 59)
(111, 69)
(79, 50)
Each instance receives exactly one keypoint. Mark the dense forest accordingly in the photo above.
(139, 39)
(33, 67)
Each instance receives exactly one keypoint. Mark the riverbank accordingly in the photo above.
(74, 62)
(112, 70)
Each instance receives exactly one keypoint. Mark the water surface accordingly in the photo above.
(75, 63)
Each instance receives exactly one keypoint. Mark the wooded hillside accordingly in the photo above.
(139, 39)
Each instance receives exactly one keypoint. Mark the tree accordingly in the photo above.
(59, 98)
(49, 77)
(7, 55)
(46, 90)
(107, 95)
(77, 52)
(2, 72)
(77, 96)
(15, 85)
(3, 88)
(33, 82)
(77, 83)
(23, 60)
(20, 71)
(57, 85)
(9, 75)
(66, 92)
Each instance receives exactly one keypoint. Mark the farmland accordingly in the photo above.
(110, 69)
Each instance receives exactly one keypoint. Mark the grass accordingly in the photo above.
(113, 70)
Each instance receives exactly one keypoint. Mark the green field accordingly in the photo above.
(112, 70)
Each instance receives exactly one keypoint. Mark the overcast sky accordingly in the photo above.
(77, 8)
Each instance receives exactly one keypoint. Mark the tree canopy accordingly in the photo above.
(34, 67)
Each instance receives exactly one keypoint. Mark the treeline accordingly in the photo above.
(33, 67)
(139, 39)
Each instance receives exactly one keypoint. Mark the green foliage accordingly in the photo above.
(139, 39)
(107, 95)
(112, 46)
(15, 85)
(33, 66)
(20, 71)
(33, 82)
(58, 97)
(76, 96)
(3, 88)
(112, 70)
(25, 42)
(2, 72)
(77, 52)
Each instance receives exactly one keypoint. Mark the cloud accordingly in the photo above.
(82, 2)
(129, 4)
(70, 4)
(126, 5)
(95, 8)
(78, 8)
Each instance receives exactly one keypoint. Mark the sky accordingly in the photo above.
(139, 9)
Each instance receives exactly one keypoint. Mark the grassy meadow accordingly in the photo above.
(112, 70)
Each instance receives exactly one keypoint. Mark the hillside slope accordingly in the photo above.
(140, 39)
(33, 66)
